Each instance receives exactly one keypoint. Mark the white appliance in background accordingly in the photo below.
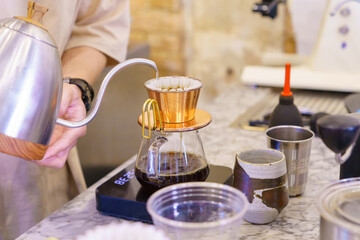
(334, 64)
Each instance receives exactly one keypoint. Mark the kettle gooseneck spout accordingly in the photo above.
(101, 92)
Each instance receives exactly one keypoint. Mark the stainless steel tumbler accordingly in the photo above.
(295, 143)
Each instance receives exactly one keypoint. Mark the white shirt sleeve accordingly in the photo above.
(103, 25)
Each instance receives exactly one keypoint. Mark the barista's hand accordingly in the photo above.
(64, 139)
(75, 63)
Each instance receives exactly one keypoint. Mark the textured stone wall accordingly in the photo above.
(224, 36)
(211, 40)
(161, 24)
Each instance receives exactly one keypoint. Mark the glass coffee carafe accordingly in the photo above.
(171, 157)
(172, 151)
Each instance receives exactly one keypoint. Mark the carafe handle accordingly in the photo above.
(151, 121)
(103, 86)
(153, 158)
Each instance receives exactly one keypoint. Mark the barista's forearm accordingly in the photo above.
(83, 62)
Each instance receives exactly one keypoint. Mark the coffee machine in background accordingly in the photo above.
(340, 133)
(333, 65)
(320, 60)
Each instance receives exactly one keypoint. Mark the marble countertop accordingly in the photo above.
(299, 220)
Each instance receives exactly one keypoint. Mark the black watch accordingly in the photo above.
(87, 92)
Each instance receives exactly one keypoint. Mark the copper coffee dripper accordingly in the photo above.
(177, 108)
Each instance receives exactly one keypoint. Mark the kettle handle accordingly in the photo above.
(103, 86)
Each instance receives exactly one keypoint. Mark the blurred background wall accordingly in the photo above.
(207, 39)
(161, 24)
(211, 40)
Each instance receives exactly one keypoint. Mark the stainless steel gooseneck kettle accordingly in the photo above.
(31, 85)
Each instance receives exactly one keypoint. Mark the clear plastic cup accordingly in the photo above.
(198, 210)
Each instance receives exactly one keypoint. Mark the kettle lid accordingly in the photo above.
(29, 25)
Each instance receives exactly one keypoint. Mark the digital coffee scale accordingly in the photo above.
(170, 152)
(123, 196)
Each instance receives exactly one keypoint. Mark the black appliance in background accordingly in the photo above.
(341, 132)
(267, 8)
(351, 168)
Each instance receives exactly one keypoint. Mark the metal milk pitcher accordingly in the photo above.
(31, 85)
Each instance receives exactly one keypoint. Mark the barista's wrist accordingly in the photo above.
(87, 92)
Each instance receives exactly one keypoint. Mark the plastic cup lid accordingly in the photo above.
(339, 203)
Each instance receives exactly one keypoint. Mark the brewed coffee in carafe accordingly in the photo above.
(169, 158)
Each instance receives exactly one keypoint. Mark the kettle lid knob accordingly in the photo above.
(35, 12)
